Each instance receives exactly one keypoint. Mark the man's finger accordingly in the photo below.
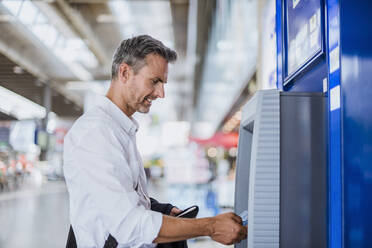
(175, 211)
(237, 218)
(243, 233)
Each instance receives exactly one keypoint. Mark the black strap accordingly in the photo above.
(111, 242)
(164, 208)
(71, 241)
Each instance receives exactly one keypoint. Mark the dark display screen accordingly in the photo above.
(303, 32)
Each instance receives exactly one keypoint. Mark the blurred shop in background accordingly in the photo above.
(30, 154)
(188, 140)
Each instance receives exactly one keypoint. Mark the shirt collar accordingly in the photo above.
(129, 124)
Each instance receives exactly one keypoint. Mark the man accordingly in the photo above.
(103, 169)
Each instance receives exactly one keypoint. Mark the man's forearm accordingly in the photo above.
(225, 228)
(175, 229)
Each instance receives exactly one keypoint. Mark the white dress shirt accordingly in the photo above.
(106, 180)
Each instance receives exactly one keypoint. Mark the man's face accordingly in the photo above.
(147, 85)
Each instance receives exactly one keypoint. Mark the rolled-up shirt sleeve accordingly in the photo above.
(101, 186)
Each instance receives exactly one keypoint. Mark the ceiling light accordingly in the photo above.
(98, 87)
(136, 15)
(17, 70)
(28, 13)
(13, 6)
(105, 18)
(122, 10)
(72, 51)
(46, 33)
(18, 106)
(7, 18)
(225, 45)
(79, 71)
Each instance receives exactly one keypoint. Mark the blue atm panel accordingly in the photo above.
(303, 32)
(303, 36)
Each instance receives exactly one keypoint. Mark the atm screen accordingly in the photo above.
(303, 32)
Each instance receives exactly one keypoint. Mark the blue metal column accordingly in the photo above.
(279, 44)
(356, 118)
(335, 166)
(347, 66)
(311, 80)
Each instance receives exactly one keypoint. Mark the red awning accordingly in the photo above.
(226, 140)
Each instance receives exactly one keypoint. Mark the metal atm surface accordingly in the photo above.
(302, 167)
(303, 170)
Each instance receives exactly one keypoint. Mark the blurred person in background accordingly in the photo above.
(3, 180)
(109, 203)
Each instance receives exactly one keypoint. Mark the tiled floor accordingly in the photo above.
(37, 217)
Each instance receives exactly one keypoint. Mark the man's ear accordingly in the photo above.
(124, 72)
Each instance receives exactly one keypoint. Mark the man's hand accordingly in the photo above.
(223, 228)
(227, 229)
(175, 211)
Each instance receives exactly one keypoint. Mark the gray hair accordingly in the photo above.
(133, 52)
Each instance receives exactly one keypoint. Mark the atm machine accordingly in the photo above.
(304, 165)
(281, 175)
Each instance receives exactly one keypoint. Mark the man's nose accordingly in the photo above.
(159, 90)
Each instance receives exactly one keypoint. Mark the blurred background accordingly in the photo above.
(55, 59)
